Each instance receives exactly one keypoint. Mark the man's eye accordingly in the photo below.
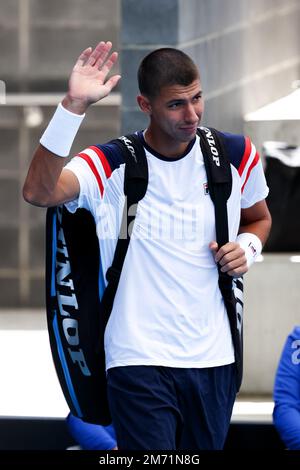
(174, 105)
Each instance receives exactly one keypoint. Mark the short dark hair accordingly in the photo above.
(165, 66)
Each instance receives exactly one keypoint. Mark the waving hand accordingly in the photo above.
(88, 81)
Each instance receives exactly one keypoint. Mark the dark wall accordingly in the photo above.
(248, 51)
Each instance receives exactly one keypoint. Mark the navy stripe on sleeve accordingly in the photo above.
(113, 154)
(235, 146)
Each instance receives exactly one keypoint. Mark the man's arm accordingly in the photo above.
(232, 256)
(47, 184)
(257, 220)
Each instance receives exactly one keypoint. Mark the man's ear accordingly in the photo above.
(144, 104)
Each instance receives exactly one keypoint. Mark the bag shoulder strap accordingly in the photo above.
(219, 177)
(135, 187)
(136, 168)
(219, 180)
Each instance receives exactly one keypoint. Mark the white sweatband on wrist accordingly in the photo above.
(252, 246)
(61, 131)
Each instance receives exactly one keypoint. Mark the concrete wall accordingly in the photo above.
(22, 226)
(248, 51)
(40, 42)
(272, 309)
(42, 39)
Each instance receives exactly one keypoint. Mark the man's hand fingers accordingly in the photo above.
(213, 246)
(239, 271)
(231, 258)
(102, 57)
(100, 53)
(225, 249)
(112, 82)
(235, 264)
(105, 69)
(238, 253)
(84, 56)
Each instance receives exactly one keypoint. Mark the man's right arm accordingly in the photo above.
(47, 183)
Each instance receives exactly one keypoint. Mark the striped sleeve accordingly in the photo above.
(93, 170)
(98, 165)
(245, 158)
(250, 159)
(253, 182)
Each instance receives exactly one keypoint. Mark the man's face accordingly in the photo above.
(176, 112)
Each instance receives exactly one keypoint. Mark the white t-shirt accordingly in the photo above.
(168, 309)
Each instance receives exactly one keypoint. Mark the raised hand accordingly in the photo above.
(88, 81)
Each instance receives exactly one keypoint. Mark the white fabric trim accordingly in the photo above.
(251, 244)
(61, 131)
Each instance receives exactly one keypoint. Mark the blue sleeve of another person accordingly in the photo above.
(286, 414)
(91, 436)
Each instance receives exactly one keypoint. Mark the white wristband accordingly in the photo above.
(252, 246)
(61, 131)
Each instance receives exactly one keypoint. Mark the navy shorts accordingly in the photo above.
(166, 408)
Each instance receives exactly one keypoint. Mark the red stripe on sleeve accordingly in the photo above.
(91, 164)
(103, 159)
(256, 158)
(246, 155)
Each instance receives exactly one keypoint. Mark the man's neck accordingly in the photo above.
(166, 147)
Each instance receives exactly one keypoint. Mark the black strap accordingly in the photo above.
(219, 179)
(135, 187)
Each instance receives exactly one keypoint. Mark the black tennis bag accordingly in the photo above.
(73, 311)
(77, 316)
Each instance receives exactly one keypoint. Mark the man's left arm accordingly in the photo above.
(236, 257)
(256, 220)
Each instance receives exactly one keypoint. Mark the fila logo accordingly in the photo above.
(253, 249)
(128, 144)
(212, 144)
(205, 188)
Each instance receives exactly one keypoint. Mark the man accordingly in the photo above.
(169, 352)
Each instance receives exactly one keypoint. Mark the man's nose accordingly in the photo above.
(191, 115)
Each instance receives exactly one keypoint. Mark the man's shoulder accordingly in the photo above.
(114, 151)
(238, 147)
(111, 152)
